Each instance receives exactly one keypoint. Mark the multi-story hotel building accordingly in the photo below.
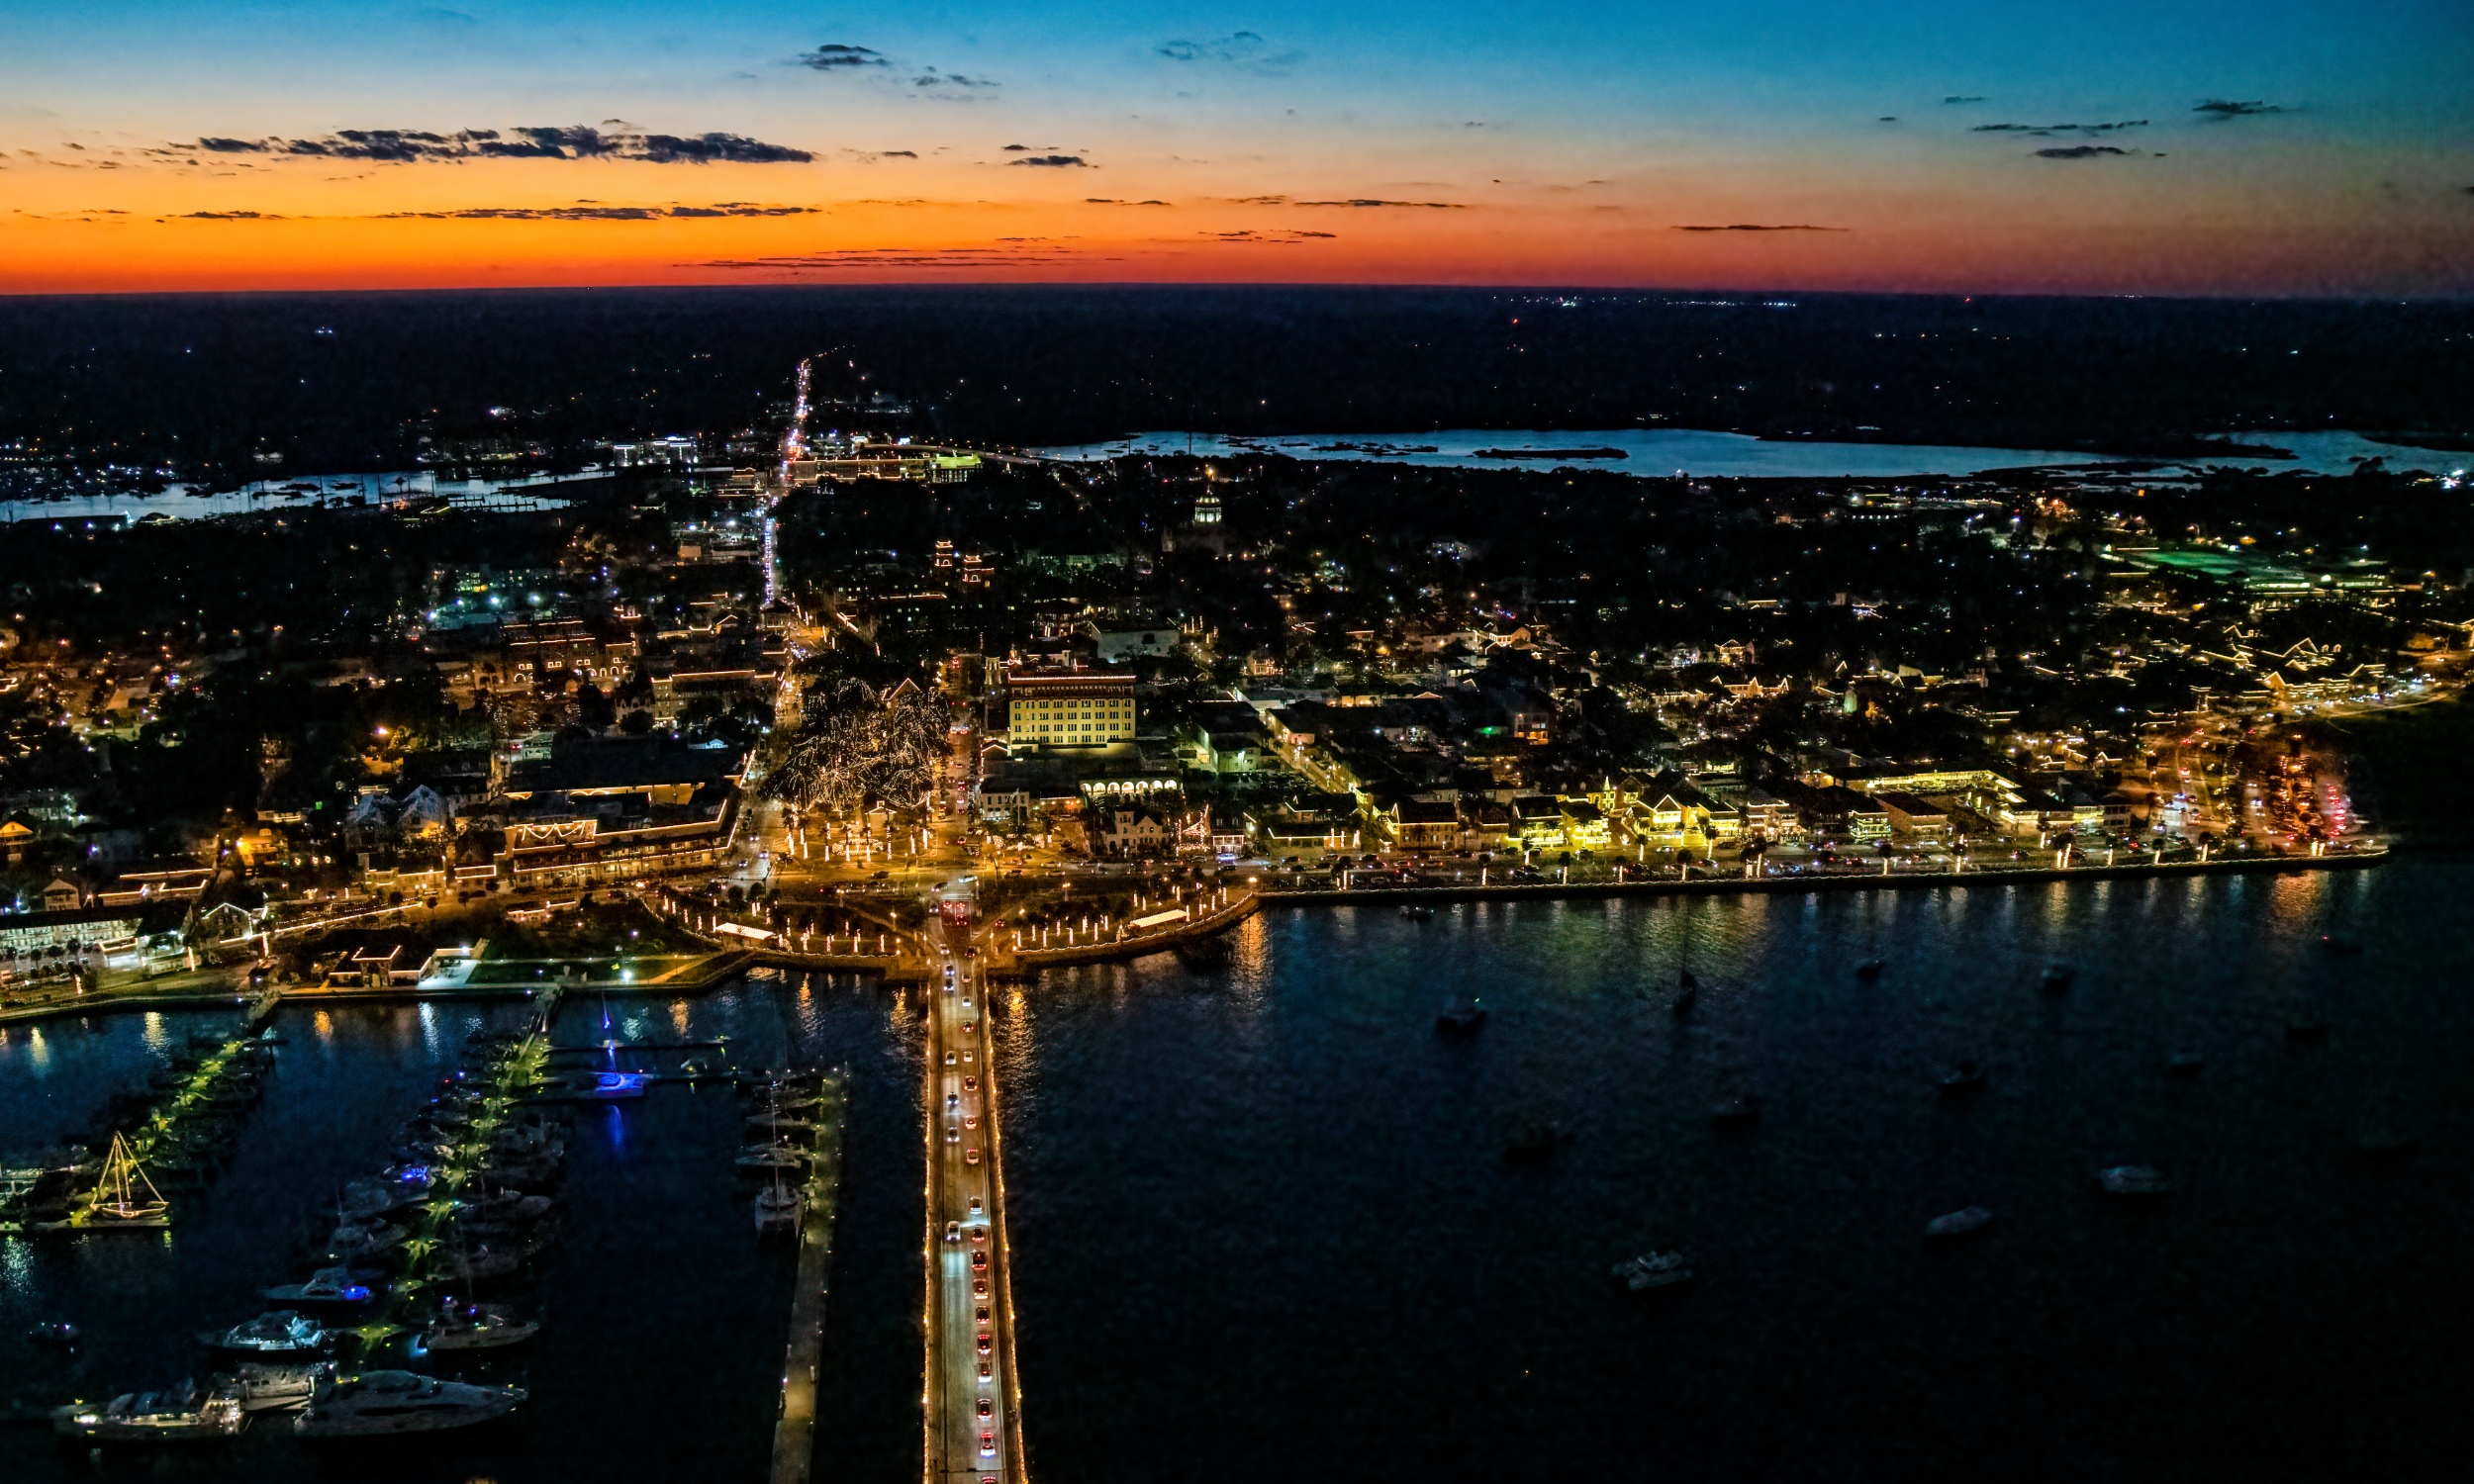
(1068, 708)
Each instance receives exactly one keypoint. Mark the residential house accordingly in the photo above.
(1425, 824)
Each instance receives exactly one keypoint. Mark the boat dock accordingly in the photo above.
(179, 1136)
(795, 1431)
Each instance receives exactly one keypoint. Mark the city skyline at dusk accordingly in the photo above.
(2187, 150)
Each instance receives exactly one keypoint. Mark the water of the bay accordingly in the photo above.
(1264, 1224)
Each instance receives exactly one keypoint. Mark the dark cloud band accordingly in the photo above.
(571, 142)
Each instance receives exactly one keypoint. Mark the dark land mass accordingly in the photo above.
(217, 386)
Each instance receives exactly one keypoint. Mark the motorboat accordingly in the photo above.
(1964, 1077)
(2185, 1065)
(1461, 1016)
(384, 1403)
(273, 1388)
(531, 1239)
(178, 1413)
(282, 1332)
(539, 1170)
(778, 1209)
(56, 1335)
(367, 1201)
(1960, 1223)
(2058, 977)
(329, 1285)
(542, 1136)
(366, 1240)
(506, 1205)
(1415, 913)
(2133, 1180)
(1870, 969)
(1655, 1271)
(474, 1327)
(766, 1123)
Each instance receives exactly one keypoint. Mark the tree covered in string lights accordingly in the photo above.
(859, 745)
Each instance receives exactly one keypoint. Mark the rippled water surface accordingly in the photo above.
(1265, 1225)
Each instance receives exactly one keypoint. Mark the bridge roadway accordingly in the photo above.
(973, 1405)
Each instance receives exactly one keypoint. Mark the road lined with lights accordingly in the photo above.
(974, 1429)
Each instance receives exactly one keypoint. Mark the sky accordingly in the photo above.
(2268, 147)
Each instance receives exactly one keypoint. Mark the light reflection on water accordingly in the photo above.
(1263, 1201)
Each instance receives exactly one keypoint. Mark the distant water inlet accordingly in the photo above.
(1668, 451)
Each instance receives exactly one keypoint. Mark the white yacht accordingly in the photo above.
(1959, 1223)
(474, 1327)
(331, 1285)
(178, 1413)
(281, 1332)
(352, 1240)
(1655, 1271)
(382, 1403)
(2133, 1180)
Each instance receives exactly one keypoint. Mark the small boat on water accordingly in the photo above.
(1962, 1078)
(1965, 1222)
(1655, 1271)
(385, 1403)
(2133, 1180)
(54, 1335)
(1415, 913)
(280, 1333)
(1736, 1112)
(185, 1412)
(329, 1285)
(2340, 945)
(272, 1388)
(1870, 969)
(2058, 977)
(2306, 1030)
(2185, 1065)
(473, 1326)
(778, 1209)
(1461, 1016)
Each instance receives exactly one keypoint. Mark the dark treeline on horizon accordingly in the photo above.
(343, 382)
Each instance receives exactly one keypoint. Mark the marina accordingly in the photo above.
(567, 1322)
